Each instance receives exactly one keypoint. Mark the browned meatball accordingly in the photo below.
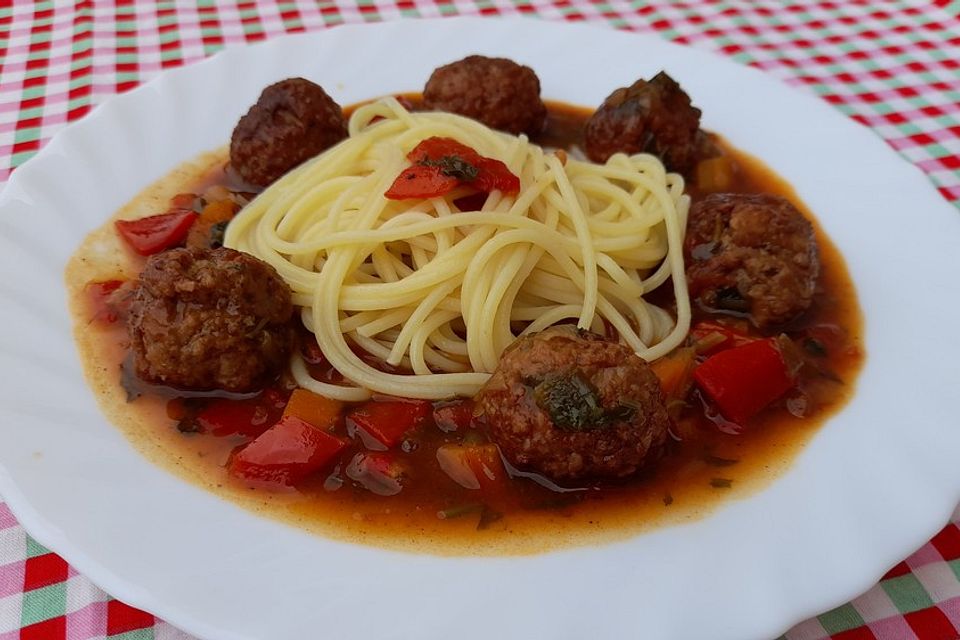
(292, 121)
(495, 91)
(205, 319)
(571, 405)
(751, 253)
(646, 117)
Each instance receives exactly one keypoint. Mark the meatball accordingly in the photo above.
(205, 319)
(495, 91)
(646, 117)
(292, 121)
(753, 254)
(571, 405)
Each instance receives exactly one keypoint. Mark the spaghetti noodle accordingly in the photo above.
(441, 291)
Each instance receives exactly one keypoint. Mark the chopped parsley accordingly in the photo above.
(574, 404)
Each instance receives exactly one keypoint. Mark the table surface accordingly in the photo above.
(893, 66)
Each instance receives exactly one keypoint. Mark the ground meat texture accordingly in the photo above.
(495, 91)
(646, 117)
(205, 319)
(292, 121)
(752, 254)
(572, 406)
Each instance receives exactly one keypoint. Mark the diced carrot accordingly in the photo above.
(321, 412)
(675, 371)
(219, 211)
(213, 214)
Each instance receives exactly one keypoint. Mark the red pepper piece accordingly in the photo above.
(229, 417)
(454, 415)
(286, 453)
(420, 181)
(151, 235)
(437, 147)
(743, 380)
(433, 160)
(495, 176)
(249, 417)
(108, 301)
(387, 422)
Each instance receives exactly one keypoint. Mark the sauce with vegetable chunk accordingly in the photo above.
(422, 476)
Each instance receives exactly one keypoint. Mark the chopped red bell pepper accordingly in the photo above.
(495, 176)
(435, 148)
(386, 422)
(421, 181)
(453, 415)
(743, 380)
(286, 453)
(248, 417)
(441, 164)
(378, 472)
(151, 235)
(110, 300)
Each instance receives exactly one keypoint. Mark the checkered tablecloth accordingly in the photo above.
(893, 66)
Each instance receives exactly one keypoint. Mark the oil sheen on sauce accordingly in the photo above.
(688, 484)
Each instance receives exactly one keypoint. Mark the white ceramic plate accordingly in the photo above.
(878, 480)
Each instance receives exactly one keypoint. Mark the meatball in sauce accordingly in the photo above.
(654, 116)
(753, 254)
(573, 406)
(292, 121)
(209, 319)
(495, 91)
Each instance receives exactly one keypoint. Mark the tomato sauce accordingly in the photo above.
(430, 512)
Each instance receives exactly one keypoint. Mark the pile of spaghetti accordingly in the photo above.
(441, 292)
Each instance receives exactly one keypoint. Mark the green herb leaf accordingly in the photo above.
(721, 483)
(570, 400)
(453, 167)
(574, 404)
